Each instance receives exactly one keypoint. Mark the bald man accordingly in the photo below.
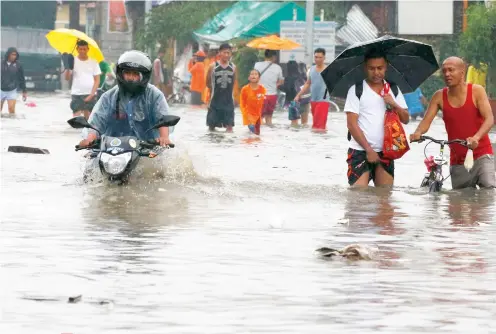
(467, 115)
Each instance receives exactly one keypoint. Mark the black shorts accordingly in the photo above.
(220, 117)
(358, 164)
(78, 104)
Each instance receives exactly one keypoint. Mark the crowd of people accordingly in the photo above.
(134, 105)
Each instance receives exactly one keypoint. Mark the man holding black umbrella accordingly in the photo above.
(390, 63)
(365, 118)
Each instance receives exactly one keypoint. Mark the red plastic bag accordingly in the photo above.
(395, 141)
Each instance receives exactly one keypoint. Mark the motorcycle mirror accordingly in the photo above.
(167, 121)
(80, 122)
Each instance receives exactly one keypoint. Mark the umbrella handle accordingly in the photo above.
(75, 46)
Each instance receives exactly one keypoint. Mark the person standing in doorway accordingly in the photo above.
(85, 81)
(319, 103)
(220, 81)
(271, 78)
(12, 79)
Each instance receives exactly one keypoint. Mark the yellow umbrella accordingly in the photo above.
(273, 42)
(64, 41)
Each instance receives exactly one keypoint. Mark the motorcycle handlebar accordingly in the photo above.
(153, 143)
(145, 144)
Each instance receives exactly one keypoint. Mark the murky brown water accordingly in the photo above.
(225, 244)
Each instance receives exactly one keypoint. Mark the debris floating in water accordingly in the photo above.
(350, 252)
(75, 299)
(25, 149)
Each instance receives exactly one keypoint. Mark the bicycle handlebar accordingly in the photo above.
(442, 142)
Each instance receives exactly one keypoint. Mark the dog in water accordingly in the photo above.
(351, 252)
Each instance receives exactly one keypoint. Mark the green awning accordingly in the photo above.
(248, 19)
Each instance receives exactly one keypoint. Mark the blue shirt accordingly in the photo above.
(414, 102)
(317, 86)
(135, 115)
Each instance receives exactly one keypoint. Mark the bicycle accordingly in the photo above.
(180, 89)
(434, 177)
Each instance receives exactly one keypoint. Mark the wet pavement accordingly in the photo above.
(225, 242)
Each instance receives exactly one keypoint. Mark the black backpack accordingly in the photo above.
(359, 92)
(68, 61)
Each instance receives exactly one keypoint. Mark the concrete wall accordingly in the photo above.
(112, 44)
(62, 20)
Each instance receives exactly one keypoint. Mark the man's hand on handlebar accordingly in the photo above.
(88, 141)
(85, 143)
(472, 143)
(416, 136)
(163, 141)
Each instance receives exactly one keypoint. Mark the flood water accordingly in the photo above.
(225, 242)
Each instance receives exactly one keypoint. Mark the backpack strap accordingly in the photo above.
(359, 89)
(358, 93)
(394, 88)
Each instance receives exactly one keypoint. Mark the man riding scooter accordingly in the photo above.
(133, 106)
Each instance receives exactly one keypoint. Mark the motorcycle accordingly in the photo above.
(117, 157)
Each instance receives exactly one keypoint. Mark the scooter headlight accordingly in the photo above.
(115, 164)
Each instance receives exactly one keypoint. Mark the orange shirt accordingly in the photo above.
(251, 103)
(197, 76)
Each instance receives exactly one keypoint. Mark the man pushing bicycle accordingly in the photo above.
(467, 115)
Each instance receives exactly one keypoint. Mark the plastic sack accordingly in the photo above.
(395, 141)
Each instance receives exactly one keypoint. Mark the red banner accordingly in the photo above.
(117, 17)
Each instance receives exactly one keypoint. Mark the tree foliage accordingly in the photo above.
(478, 42)
(177, 20)
(245, 58)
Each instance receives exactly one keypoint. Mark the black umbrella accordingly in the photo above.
(410, 64)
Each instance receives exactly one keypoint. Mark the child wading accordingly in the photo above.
(252, 101)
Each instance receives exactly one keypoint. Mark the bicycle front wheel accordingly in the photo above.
(435, 187)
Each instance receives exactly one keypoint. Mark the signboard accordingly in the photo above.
(117, 17)
(432, 22)
(324, 36)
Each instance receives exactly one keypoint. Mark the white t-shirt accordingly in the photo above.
(371, 110)
(83, 76)
(270, 77)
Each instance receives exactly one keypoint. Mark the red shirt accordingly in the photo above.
(461, 123)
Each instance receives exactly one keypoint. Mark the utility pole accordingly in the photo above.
(309, 34)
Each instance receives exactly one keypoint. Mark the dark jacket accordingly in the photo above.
(13, 74)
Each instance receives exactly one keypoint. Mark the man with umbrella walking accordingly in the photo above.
(365, 118)
(85, 75)
(391, 65)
